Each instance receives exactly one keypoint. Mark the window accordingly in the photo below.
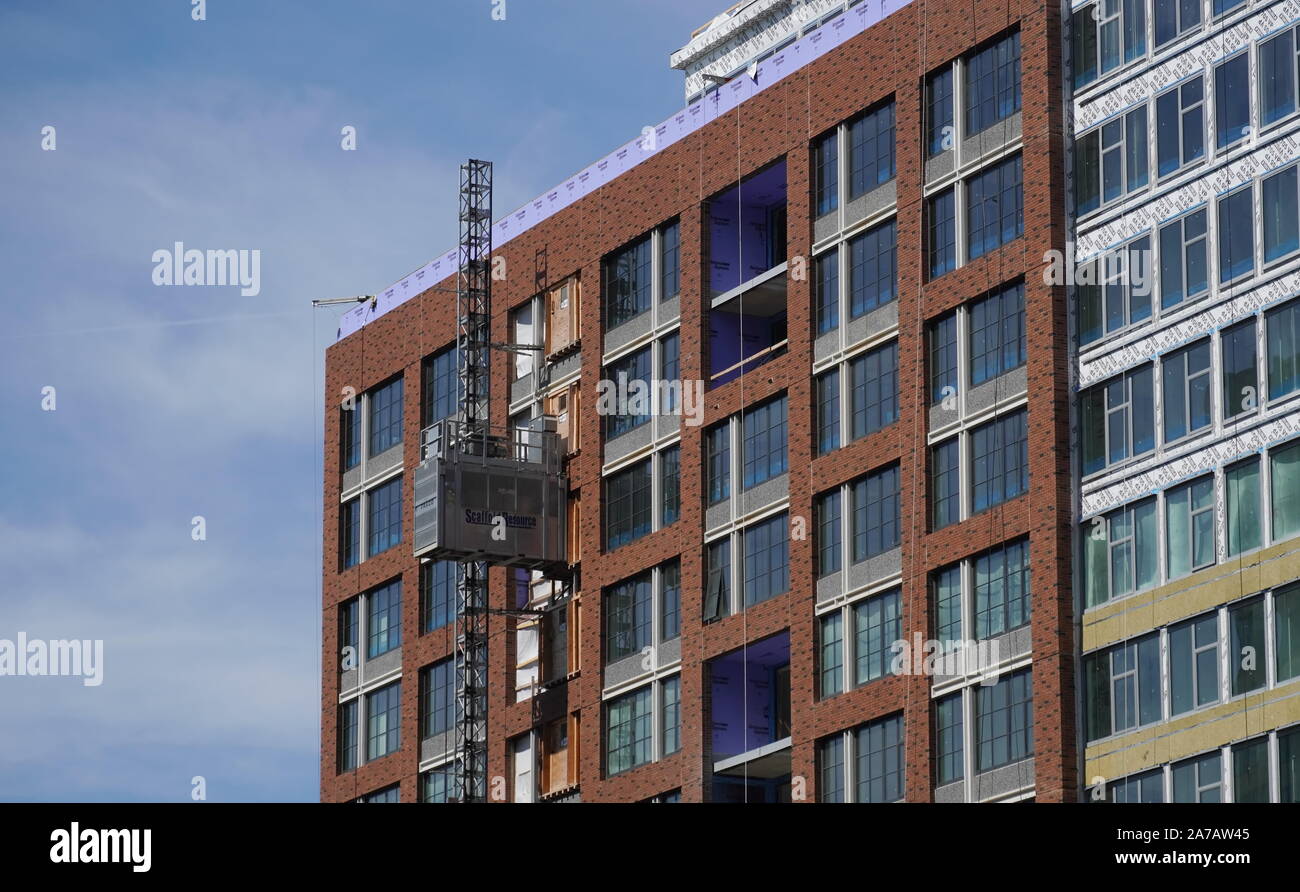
(949, 737)
(1111, 161)
(622, 373)
(873, 269)
(828, 412)
(941, 244)
(385, 416)
(385, 518)
(670, 485)
(1118, 293)
(1250, 771)
(995, 207)
(524, 331)
(670, 256)
(1123, 687)
(871, 150)
(1281, 215)
(945, 484)
(999, 460)
(1194, 663)
(829, 547)
(441, 387)
(1277, 78)
(1246, 646)
(348, 736)
(767, 559)
(1236, 234)
(875, 514)
(1184, 268)
(1118, 419)
(1175, 17)
(873, 378)
(943, 358)
(827, 268)
(349, 629)
(1288, 759)
(1232, 100)
(1186, 386)
(1189, 526)
(384, 619)
(997, 333)
(438, 698)
(1002, 589)
(832, 654)
(993, 84)
(938, 104)
(1199, 779)
(1241, 502)
(628, 731)
(1146, 787)
(945, 587)
(826, 173)
(1286, 635)
(1004, 721)
(880, 760)
(830, 762)
(877, 624)
(717, 585)
(628, 615)
(1107, 34)
(438, 784)
(672, 694)
(763, 449)
(718, 462)
(627, 283)
(670, 370)
(1284, 468)
(349, 534)
(383, 721)
(670, 605)
(1120, 552)
(350, 430)
(1180, 126)
(627, 505)
(1282, 327)
(437, 594)
(1240, 376)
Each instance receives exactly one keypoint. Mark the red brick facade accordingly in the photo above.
(892, 57)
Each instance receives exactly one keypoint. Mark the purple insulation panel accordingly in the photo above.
(715, 104)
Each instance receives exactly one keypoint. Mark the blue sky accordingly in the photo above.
(174, 402)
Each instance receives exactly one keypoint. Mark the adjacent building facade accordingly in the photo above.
(910, 507)
(1184, 187)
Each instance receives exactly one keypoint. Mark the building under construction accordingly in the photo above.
(665, 486)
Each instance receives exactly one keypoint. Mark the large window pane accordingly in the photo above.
(873, 379)
(1243, 506)
(1284, 489)
(1236, 234)
(1281, 215)
(877, 624)
(1232, 100)
(873, 269)
(1282, 326)
(1246, 652)
(871, 150)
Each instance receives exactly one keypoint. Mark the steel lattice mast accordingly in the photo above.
(473, 343)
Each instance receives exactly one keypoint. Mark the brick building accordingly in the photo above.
(837, 250)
